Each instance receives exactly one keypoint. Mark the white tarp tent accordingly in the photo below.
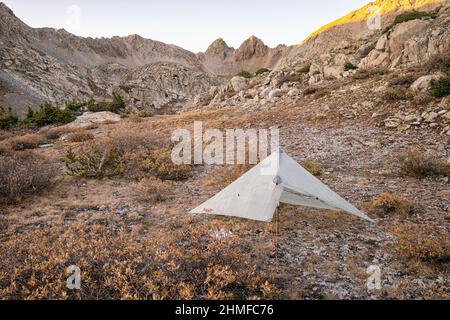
(277, 179)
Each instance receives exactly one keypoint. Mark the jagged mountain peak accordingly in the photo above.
(219, 48)
(252, 47)
(5, 9)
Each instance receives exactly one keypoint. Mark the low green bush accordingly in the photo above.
(413, 15)
(350, 66)
(262, 71)
(93, 163)
(48, 115)
(7, 119)
(117, 105)
(441, 88)
(245, 74)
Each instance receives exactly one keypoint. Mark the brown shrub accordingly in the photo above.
(313, 167)
(3, 224)
(3, 150)
(416, 163)
(439, 62)
(309, 90)
(403, 80)
(26, 142)
(362, 74)
(92, 163)
(393, 94)
(152, 190)
(80, 136)
(387, 204)
(188, 263)
(23, 174)
(429, 243)
(223, 176)
(56, 133)
(159, 163)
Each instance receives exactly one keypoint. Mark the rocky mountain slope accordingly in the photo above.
(54, 65)
(47, 64)
(403, 45)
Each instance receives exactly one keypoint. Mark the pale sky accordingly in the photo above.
(191, 24)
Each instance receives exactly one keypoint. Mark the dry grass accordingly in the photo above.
(427, 243)
(26, 142)
(3, 150)
(151, 190)
(363, 74)
(402, 80)
(312, 167)
(223, 176)
(91, 163)
(80, 136)
(56, 133)
(24, 174)
(310, 90)
(417, 164)
(398, 93)
(190, 263)
(388, 205)
(159, 163)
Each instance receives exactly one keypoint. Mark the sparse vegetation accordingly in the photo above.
(394, 94)
(245, 74)
(403, 80)
(363, 74)
(153, 190)
(441, 88)
(160, 164)
(413, 15)
(312, 167)
(188, 263)
(418, 164)
(309, 91)
(23, 174)
(262, 71)
(48, 115)
(117, 105)
(7, 119)
(93, 163)
(350, 66)
(388, 205)
(79, 106)
(80, 136)
(29, 141)
(427, 243)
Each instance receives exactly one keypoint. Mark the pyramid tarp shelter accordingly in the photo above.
(277, 179)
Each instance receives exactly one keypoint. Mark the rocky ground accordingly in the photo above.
(321, 254)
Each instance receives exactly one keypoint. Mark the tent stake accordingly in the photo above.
(277, 230)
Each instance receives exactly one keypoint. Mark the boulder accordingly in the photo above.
(239, 83)
(333, 72)
(89, 118)
(293, 92)
(276, 93)
(424, 83)
(315, 78)
(202, 100)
